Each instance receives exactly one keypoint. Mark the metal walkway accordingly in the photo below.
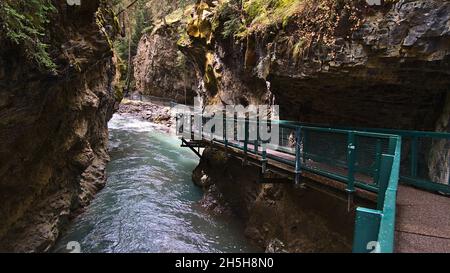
(366, 163)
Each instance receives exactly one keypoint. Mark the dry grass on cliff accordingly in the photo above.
(257, 16)
(321, 23)
(262, 13)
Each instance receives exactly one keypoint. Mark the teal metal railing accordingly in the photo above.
(375, 228)
(417, 160)
(359, 159)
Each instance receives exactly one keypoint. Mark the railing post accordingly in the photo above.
(298, 166)
(383, 181)
(177, 129)
(246, 127)
(392, 145)
(191, 126)
(449, 175)
(225, 140)
(184, 119)
(367, 227)
(257, 136)
(199, 123)
(305, 132)
(181, 119)
(264, 158)
(414, 157)
(378, 152)
(351, 158)
(213, 128)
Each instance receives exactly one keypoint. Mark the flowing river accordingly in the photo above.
(150, 203)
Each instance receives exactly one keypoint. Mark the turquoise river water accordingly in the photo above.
(150, 203)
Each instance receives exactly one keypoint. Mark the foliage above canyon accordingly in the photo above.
(23, 23)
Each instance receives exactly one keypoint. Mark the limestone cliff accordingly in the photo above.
(53, 125)
(331, 62)
(160, 69)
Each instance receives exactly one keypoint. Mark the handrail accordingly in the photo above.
(410, 174)
(387, 225)
(292, 125)
(411, 177)
(403, 133)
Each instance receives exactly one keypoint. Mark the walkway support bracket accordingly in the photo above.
(298, 163)
(192, 147)
(351, 158)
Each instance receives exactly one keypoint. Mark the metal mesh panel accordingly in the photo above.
(424, 146)
(418, 162)
(368, 157)
(329, 152)
(287, 140)
(325, 147)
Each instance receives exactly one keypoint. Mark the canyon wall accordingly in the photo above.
(160, 69)
(332, 62)
(53, 125)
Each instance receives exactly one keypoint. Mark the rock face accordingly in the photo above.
(54, 127)
(160, 69)
(340, 63)
(391, 71)
(330, 63)
(439, 155)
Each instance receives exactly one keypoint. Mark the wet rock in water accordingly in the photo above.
(214, 202)
(148, 111)
(201, 179)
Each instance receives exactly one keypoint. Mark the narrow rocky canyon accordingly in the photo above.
(347, 64)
